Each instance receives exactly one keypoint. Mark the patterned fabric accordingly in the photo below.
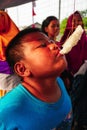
(8, 30)
(79, 101)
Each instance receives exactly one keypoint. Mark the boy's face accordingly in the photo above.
(41, 56)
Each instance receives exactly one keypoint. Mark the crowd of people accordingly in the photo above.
(47, 91)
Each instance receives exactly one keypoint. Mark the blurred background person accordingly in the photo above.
(77, 66)
(77, 56)
(51, 27)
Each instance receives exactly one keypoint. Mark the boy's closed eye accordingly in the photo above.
(45, 44)
(42, 45)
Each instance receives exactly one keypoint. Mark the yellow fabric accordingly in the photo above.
(8, 30)
(3, 92)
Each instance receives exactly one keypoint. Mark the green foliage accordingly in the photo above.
(84, 16)
(85, 22)
(64, 21)
(83, 13)
(63, 25)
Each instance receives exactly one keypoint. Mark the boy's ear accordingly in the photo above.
(21, 70)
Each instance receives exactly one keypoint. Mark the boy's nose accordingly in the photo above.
(53, 46)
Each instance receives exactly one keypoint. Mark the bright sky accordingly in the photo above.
(22, 15)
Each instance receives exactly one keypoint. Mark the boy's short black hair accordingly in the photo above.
(14, 50)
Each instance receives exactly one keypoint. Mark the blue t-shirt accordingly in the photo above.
(20, 110)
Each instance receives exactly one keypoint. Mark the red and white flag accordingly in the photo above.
(33, 5)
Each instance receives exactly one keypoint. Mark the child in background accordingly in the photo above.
(50, 26)
(41, 101)
(8, 30)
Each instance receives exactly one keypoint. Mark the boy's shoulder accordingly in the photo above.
(11, 98)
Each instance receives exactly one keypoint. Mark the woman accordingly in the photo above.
(77, 56)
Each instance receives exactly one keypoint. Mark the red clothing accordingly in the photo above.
(78, 54)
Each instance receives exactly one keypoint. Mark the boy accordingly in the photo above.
(41, 101)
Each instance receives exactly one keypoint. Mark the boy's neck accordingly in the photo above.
(46, 91)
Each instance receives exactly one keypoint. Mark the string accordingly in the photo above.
(33, 13)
